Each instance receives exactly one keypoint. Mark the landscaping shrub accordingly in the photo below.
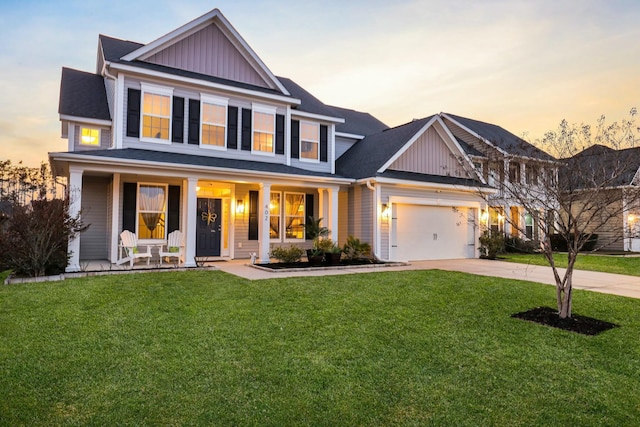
(289, 254)
(559, 243)
(514, 244)
(491, 244)
(355, 249)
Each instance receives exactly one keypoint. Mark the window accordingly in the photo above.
(156, 113)
(309, 141)
(264, 123)
(294, 216)
(532, 175)
(514, 173)
(274, 216)
(528, 225)
(213, 130)
(89, 136)
(496, 220)
(152, 211)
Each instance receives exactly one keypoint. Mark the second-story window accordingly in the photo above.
(213, 128)
(264, 125)
(514, 173)
(309, 141)
(89, 136)
(156, 113)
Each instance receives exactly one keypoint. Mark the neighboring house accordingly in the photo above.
(615, 212)
(194, 132)
(503, 158)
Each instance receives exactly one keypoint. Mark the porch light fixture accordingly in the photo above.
(484, 216)
(239, 207)
(631, 218)
(384, 213)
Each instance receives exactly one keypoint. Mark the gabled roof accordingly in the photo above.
(500, 138)
(606, 166)
(367, 156)
(83, 95)
(144, 156)
(113, 49)
(213, 17)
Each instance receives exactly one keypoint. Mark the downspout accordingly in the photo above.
(105, 73)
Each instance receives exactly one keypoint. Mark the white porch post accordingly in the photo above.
(75, 203)
(264, 197)
(332, 202)
(190, 232)
(115, 217)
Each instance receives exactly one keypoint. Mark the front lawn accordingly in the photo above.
(605, 263)
(391, 348)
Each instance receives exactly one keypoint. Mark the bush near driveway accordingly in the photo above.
(392, 348)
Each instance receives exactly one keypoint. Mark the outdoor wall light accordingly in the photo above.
(239, 207)
(384, 213)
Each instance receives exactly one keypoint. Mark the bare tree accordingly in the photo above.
(591, 191)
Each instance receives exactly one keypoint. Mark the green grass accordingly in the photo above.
(393, 348)
(605, 263)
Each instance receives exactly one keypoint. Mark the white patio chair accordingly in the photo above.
(174, 247)
(129, 251)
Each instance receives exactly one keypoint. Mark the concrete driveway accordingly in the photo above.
(608, 283)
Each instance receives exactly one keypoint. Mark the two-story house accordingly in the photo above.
(193, 132)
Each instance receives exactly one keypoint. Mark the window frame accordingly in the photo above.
(92, 129)
(139, 212)
(263, 109)
(284, 216)
(146, 88)
(303, 140)
(527, 234)
(217, 101)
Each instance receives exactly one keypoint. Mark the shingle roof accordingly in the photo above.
(358, 123)
(198, 160)
(469, 149)
(368, 155)
(602, 165)
(437, 179)
(113, 49)
(502, 138)
(83, 95)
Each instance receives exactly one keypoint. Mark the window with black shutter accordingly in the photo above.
(232, 127)
(173, 208)
(177, 124)
(194, 121)
(295, 139)
(308, 210)
(129, 193)
(133, 112)
(253, 215)
(324, 143)
(279, 134)
(246, 129)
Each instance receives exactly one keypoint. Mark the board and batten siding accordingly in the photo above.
(209, 52)
(429, 155)
(94, 242)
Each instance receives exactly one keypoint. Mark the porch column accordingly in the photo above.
(75, 204)
(115, 217)
(191, 215)
(264, 197)
(332, 208)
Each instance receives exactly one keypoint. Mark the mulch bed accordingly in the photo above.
(301, 264)
(579, 324)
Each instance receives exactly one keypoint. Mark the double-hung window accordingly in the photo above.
(213, 128)
(264, 127)
(294, 216)
(89, 136)
(274, 215)
(156, 113)
(309, 141)
(152, 211)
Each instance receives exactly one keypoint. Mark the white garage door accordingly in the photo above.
(432, 232)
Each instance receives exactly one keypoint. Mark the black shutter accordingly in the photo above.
(177, 125)
(279, 134)
(295, 139)
(253, 215)
(232, 127)
(194, 121)
(133, 113)
(324, 145)
(129, 193)
(308, 209)
(173, 208)
(246, 129)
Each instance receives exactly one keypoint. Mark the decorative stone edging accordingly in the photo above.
(328, 267)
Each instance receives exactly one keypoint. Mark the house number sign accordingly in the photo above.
(266, 213)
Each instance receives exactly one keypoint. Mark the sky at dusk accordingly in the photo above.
(524, 65)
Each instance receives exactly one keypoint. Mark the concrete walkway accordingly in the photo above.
(616, 284)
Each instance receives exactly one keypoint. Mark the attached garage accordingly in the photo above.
(421, 232)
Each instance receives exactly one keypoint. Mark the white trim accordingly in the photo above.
(287, 136)
(263, 109)
(118, 129)
(433, 185)
(115, 217)
(332, 141)
(429, 201)
(457, 145)
(180, 169)
(166, 208)
(407, 145)
(152, 89)
(321, 117)
(85, 120)
(283, 217)
(349, 135)
(204, 83)
(217, 101)
(279, 215)
(317, 142)
(90, 128)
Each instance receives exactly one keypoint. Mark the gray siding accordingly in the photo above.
(209, 52)
(430, 155)
(342, 145)
(110, 87)
(360, 213)
(241, 234)
(94, 242)
(105, 139)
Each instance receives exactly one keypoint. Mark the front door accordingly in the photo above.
(208, 230)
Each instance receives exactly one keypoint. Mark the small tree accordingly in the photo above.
(591, 186)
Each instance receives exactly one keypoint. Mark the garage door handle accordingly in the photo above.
(435, 236)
